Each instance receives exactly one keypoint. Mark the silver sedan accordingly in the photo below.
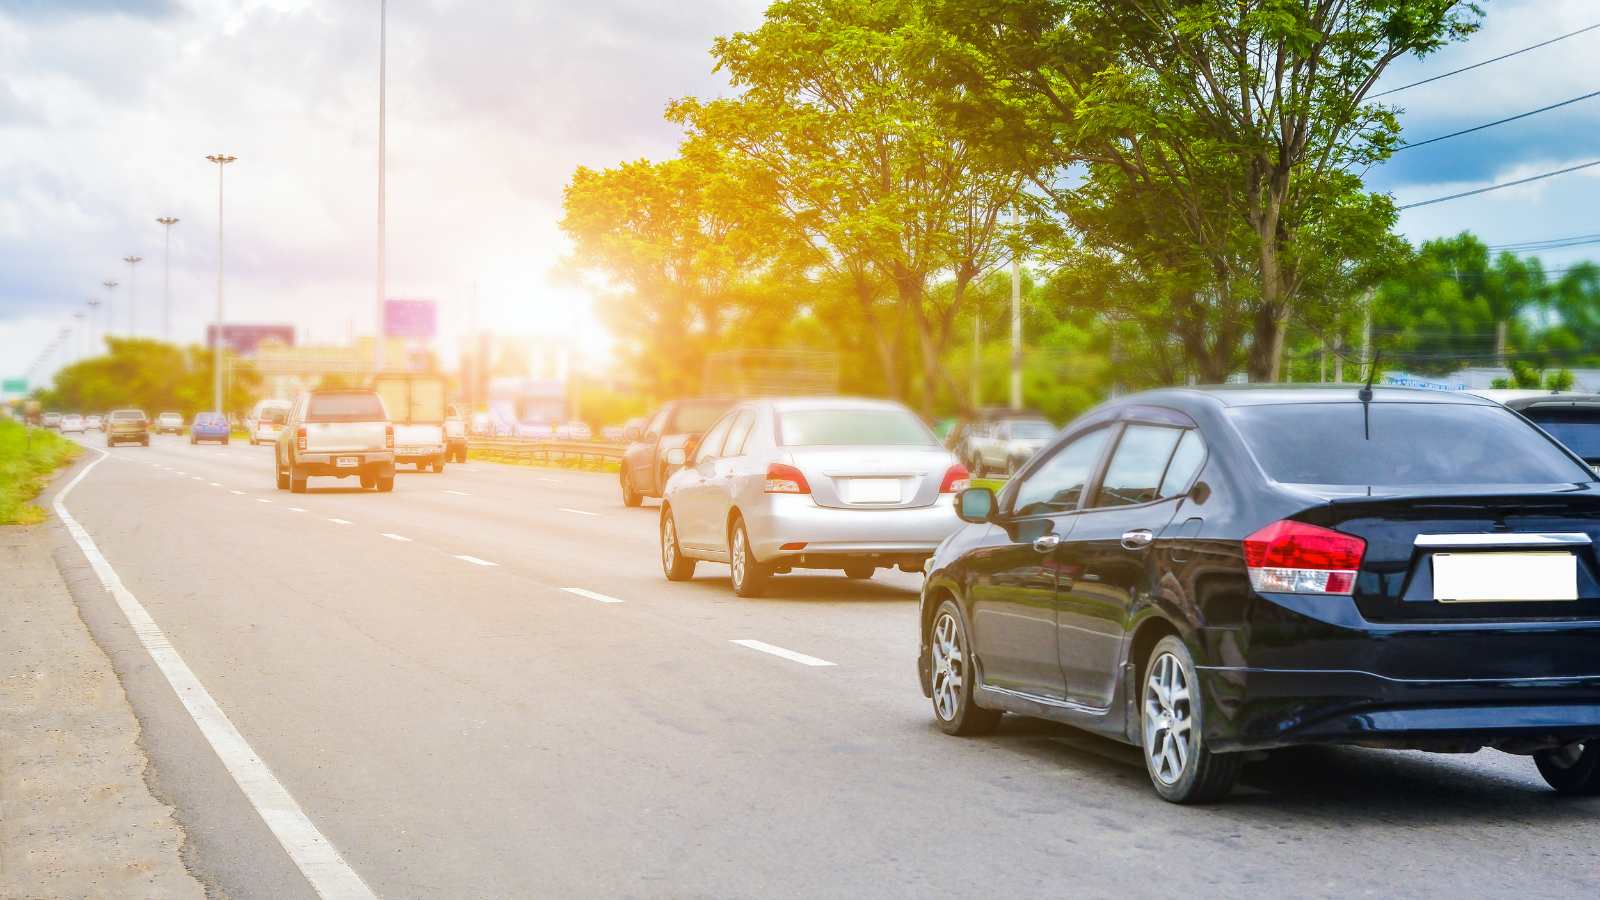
(777, 485)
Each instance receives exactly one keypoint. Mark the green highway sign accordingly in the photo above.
(14, 386)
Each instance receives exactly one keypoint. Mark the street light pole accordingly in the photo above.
(383, 79)
(83, 333)
(111, 288)
(133, 294)
(221, 161)
(166, 278)
(93, 305)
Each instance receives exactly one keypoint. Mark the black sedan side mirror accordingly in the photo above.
(975, 505)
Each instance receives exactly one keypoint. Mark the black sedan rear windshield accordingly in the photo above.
(1401, 444)
(354, 406)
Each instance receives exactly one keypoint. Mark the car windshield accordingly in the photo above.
(695, 418)
(1400, 444)
(128, 415)
(1031, 428)
(273, 416)
(855, 427)
(168, 417)
(208, 419)
(1579, 430)
(346, 406)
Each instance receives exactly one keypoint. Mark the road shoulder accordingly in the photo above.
(77, 818)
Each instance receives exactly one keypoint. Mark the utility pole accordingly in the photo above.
(111, 288)
(83, 333)
(1016, 321)
(133, 294)
(383, 51)
(166, 279)
(221, 160)
(93, 305)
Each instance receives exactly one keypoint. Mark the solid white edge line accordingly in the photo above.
(474, 560)
(790, 655)
(317, 859)
(395, 537)
(580, 512)
(592, 595)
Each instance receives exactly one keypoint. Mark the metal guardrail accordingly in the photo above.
(581, 453)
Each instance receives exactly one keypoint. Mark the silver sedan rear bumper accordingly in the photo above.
(791, 519)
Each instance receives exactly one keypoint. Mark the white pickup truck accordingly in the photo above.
(416, 407)
(339, 433)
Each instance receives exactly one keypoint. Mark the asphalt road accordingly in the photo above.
(417, 671)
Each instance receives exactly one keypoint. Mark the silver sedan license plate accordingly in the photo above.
(347, 462)
(1540, 576)
(872, 490)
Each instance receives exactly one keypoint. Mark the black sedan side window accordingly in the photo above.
(1137, 466)
(1057, 486)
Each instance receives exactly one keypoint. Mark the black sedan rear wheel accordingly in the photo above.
(1181, 767)
(1573, 770)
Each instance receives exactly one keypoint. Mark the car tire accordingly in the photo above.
(674, 564)
(1573, 770)
(438, 466)
(749, 575)
(283, 478)
(368, 482)
(1181, 768)
(953, 676)
(145, 442)
(860, 572)
(385, 483)
(630, 497)
(297, 481)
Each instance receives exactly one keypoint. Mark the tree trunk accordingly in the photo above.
(885, 341)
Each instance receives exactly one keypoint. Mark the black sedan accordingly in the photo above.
(1205, 572)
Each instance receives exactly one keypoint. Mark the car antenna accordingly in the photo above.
(1366, 395)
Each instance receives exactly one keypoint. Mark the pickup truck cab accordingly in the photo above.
(417, 409)
(339, 433)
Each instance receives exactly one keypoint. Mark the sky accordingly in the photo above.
(108, 109)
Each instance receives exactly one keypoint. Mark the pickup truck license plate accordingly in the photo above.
(872, 490)
(1497, 577)
(347, 462)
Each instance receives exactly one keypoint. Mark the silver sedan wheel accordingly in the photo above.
(669, 544)
(738, 561)
(1168, 737)
(949, 667)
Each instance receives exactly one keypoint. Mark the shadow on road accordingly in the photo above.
(1350, 786)
(815, 588)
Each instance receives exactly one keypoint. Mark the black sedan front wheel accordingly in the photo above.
(1181, 767)
(1573, 770)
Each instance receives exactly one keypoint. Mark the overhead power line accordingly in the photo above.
(1576, 240)
(1496, 59)
(1445, 137)
(1496, 187)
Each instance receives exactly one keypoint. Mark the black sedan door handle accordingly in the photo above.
(1137, 539)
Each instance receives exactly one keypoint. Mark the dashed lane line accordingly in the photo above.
(576, 512)
(396, 537)
(296, 509)
(339, 521)
(240, 493)
(474, 560)
(316, 858)
(790, 655)
(458, 493)
(262, 500)
(603, 598)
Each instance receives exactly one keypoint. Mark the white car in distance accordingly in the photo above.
(778, 485)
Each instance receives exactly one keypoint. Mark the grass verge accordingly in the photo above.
(26, 461)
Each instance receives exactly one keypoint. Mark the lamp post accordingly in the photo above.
(111, 287)
(221, 160)
(133, 294)
(166, 277)
(83, 333)
(93, 305)
(383, 56)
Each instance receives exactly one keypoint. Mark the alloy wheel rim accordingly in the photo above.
(669, 545)
(738, 561)
(949, 667)
(1168, 720)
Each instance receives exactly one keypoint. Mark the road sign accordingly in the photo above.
(14, 386)
(246, 339)
(410, 318)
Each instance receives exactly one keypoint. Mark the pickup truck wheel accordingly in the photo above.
(860, 572)
(368, 481)
(385, 484)
(630, 497)
(297, 479)
(438, 466)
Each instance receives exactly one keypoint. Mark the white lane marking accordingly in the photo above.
(339, 521)
(262, 500)
(216, 484)
(318, 860)
(295, 509)
(396, 537)
(474, 560)
(240, 493)
(592, 595)
(576, 512)
(790, 655)
(197, 478)
(179, 471)
(458, 493)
